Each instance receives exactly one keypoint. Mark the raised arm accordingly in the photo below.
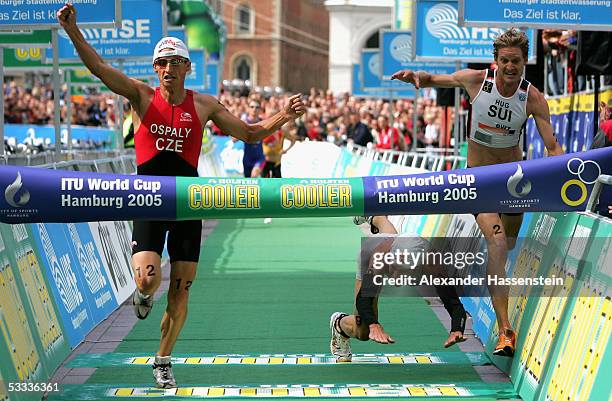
(252, 133)
(422, 79)
(116, 81)
(541, 114)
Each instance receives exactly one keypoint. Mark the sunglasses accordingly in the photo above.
(162, 62)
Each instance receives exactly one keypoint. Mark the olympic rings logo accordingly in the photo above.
(578, 170)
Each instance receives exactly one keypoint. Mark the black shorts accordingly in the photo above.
(270, 170)
(183, 238)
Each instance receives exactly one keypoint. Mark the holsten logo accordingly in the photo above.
(11, 191)
(515, 181)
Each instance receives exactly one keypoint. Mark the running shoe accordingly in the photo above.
(162, 372)
(142, 304)
(339, 345)
(359, 220)
(505, 344)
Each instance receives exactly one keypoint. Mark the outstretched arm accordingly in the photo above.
(251, 133)
(541, 115)
(423, 79)
(116, 81)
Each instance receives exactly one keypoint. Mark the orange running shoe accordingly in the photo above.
(505, 344)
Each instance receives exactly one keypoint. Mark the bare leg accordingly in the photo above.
(181, 278)
(491, 226)
(147, 271)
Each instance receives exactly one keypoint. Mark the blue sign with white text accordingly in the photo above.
(397, 55)
(43, 14)
(371, 79)
(581, 15)
(140, 30)
(440, 38)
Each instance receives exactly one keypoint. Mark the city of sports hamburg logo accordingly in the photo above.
(574, 191)
(515, 180)
(519, 188)
(11, 191)
(401, 48)
(441, 22)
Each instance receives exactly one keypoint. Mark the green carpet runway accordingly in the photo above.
(267, 291)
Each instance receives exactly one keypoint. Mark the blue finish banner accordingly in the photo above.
(440, 38)
(561, 183)
(372, 82)
(397, 55)
(16, 14)
(583, 15)
(140, 30)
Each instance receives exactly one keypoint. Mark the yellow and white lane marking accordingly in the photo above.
(284, 391)
(297, 359)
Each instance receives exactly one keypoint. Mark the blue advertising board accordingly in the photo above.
(196, 79)
(178, 32)
(18, 14)
(372, 82)
(438, 37)
(83, 293)
(211, 82)
(580, 15)
(140, 30)
(357, 82)
(396, 48)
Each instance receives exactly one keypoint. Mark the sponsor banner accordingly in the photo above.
(507, 188)
(51, 195)
(66, 282)
(254, 197)
(25, 38)
(577, 14)
(30, 59)
(560, 183)
(440, 38)
(32, 341)
(397, 55)
(17, 14)
(372, 80)
(140, 30)
(113, 243)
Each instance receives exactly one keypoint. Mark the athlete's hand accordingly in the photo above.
(378, 334)
(409, 76)
(67, 16)
(295, 108)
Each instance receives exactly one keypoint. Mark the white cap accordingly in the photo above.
(170, 46)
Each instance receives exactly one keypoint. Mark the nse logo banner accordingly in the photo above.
(560, 183)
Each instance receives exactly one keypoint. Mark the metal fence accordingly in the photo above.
(429, 159)
(112, 162)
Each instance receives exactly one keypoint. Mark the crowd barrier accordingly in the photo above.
(572, 122)
(57, 282)
(82, 136)
(563, 350)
